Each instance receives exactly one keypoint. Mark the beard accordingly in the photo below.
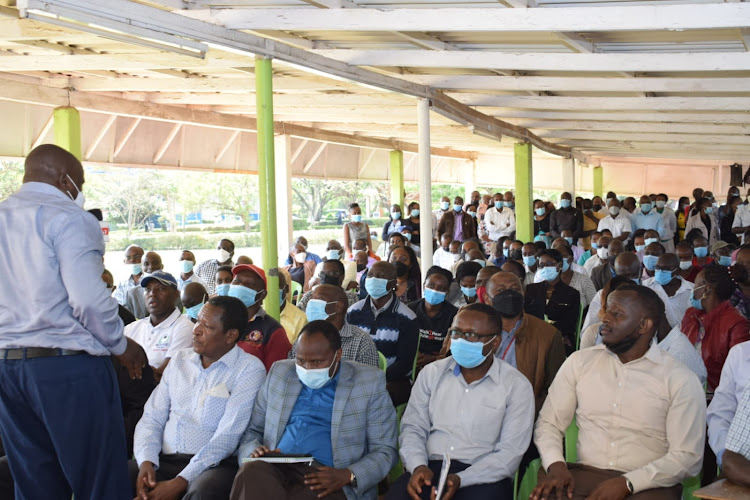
(624, 345)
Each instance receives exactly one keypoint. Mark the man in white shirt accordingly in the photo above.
(640, 412)
(187, 263)
(165, 330)
(192, 424)
(669, 222)
(741, 222)
(618, 221)
(443, 256)
(671, 288)
(500, 219)
(334, 251)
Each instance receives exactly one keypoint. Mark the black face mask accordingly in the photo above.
(597, 207)
(361, 267)
(515, 255)
(625, 344)
(509, 303)
(446, 249)
(401, 269)
(328, 279)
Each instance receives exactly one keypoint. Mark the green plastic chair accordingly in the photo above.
(578, 328)
(296, 292)
(529, 479)
(382, 362)
(571, 440)
(690, 485)
(398, 470)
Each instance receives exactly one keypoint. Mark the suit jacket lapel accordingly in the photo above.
(291, 393)
(343, 390)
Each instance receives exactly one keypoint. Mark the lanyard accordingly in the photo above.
(512, 340)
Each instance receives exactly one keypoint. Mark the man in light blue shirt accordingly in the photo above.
(60, 412)
(646, 218)
(193, 421)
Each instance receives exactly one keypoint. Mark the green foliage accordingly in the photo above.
(11, 174)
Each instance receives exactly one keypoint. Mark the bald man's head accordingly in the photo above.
(193, 294)
(55, 166)
(384, 269)
(668, 261)
(627, 265)
(503, 281)
(336, 294)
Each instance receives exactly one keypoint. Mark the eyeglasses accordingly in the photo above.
(455, 333)
(664, 268)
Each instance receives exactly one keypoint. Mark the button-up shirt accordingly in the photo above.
(507, 349)
(652, 220)
(51, 254)
(199, 411)
(738, 438)
(645, 418)
(458, 226)
(618, 225)
(123, 286)
(678, 345)
(669, 222)
(206, 271)
(163, 340)
(742, 219)
(356, 345)
(735, 377)
(499, 222)
(308, 431)
(484, 424)
(194, 278)
(676, 305)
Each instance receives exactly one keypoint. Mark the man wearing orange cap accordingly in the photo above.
(264, 337)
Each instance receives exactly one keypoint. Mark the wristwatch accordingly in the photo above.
(353, 480)
(629, 485)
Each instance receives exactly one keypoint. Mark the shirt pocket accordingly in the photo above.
(212, 411)
(486, 422)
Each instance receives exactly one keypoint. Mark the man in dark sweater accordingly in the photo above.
(392, 326)
(566, 217)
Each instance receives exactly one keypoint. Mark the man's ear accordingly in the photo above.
(646, 325)
(232, 336)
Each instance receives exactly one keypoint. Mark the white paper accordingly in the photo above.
(443, 474)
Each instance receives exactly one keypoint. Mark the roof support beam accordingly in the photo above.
(296, 154)
(43, 131)
(565, 19)
(99, 137)
(125, 138)
(226, 146)
(314, 158)
(738, 118)
(167, 142)
(552, 103)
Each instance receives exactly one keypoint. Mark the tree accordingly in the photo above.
(235, 193)
(314, 194)
(11, 174)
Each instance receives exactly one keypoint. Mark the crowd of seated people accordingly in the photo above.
(626, 321)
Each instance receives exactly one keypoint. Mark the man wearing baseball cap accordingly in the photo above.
(264, 337)
(165, 330)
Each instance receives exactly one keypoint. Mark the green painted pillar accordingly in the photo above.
(598, 181)
(524, 195)
(267, 181)
(397, 180)
(67, 123)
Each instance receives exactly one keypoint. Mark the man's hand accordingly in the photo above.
(327, 480)
(263, 450)
(169, 490)
(422, 476)
(452, 484)
(146, 481)
(134, 359)
(736, 468)
(611, 489)
(558, 484)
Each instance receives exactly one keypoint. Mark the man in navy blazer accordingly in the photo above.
(337, 411)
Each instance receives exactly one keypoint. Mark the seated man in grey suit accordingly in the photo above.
(337, 411)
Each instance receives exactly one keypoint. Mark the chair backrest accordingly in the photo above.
(296, 292)
(578, 328)
(382, 362)
(571, 442)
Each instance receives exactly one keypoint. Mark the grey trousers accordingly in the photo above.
(265, 481)
(212, 484)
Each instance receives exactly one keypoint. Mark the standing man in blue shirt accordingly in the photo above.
(60, 412)
(645, 218)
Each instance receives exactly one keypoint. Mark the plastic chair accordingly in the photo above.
(578, 328)
(382, 362)
(529, 479)
(690, 485)
(571, 440)
(296, 292)
(414, 365)
(398, 470)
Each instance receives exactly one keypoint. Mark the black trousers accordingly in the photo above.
(212, 484)
(501, 490)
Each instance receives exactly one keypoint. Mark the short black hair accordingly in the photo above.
(724, 280)
(403, 239)
(540, 246)
(553, 254)
(439, 270)
(336, 263)
(326, 329)
(228, 240)
(686, 244)
(467, 269)
(353, 205)
(492, 315)
(649, 300)
(520, 270)
(234, 313)
(224, 268)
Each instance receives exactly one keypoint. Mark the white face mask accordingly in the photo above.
(602, 253)
(301, 257)
(222, 255)
(685, 265)
(79, 199)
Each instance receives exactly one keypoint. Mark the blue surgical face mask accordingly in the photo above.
(594, 245)
(725, 260)
(407, 236)
(481, 262)
(357, 218)
(433, 296)
(569, 239)
(540, 211)
(663, 277)
(473, 214)
(646, 207)
(709, 210)
(565, 203)
(469, 292)
(498, 204)
(529, 260)
(700, 252)
(457, 208)
(549, 273)
(395, 215)
(649, 261)
(281, 297)
(315, 378)
(223, 289)
(508, 204)
(186, 266)
(651, 240)
(566, 265)
(468, 354)
(415, 212)
(640, 248)
(333, 254)
(505, 252)
(248, 296)
(193, 311)
(376, 287)
(316, 309)
(661, 204)
(637, 281)
(445, 205)
(696, 302)
(135, 269)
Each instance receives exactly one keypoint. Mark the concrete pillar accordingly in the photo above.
(524, 192)
(470, 179)
(397, 180)
(283, 157)
(425, 183)
(67, 125)
(267, 181)
(569, 177)
(598, 181)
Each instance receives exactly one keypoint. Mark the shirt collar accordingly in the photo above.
(493, 372)
(654, 353)
(167, 323)
(346, 330)
(42, 187)
(228, 359)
